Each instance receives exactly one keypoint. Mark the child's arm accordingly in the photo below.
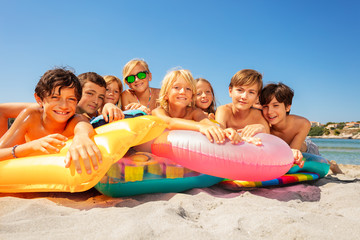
(125, 99)
(221, 116)
(303, 130)
(304, 127)
(210, 130)
(133, 106)
(83, 147)
(111, 112)
(10, 110)
(262, 126)
(45, 145)
(16, 136)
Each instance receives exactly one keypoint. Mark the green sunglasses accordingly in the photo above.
(139, 75)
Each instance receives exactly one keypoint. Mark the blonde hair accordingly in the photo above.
(129, 66)
(110, 79)
(168, 82)
(212, 107)
(247, 77)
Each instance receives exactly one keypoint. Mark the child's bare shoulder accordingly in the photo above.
(127, 93)
(227, 108)
(159, 110)
(299, 121)
(256, 112)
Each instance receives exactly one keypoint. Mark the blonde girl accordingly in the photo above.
(205, 97)
(140, 95)
(177, 108)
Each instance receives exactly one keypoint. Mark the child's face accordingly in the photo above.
(204, 95)
(92, 98)
(59, 106)
(112, 93)
(275, 112)
(180, 93)
(139, 85)
(243, 97)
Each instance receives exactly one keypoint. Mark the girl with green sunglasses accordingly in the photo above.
(140, 95)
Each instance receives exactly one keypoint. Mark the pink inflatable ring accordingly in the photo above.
(243, 161)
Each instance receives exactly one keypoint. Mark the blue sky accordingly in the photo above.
(312, 46)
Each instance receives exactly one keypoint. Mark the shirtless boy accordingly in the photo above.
(44, 129)
(244, 90)
(93, 94)
(276, 100)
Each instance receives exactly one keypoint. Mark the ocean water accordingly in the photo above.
(344, 151)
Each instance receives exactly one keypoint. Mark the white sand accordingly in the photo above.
(325, 209)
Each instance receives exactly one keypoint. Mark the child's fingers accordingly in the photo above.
(86, 160)
(56, 140)
(93, 157)
(67, 160)
(218, 135)
(208, 135)
(74, 156)
(111, 116)
(44, 150)
(121, 115)
(58, 136)
(97, 153)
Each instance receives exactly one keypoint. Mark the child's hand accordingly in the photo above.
(112, 113)
(251, 130)
(254, 140)
(298, 157)
(133, 106)
(211, 116)
(83, 147)
(213, 133)
(232, 135)
(49, 144)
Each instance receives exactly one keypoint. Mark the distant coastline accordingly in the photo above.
(331, 130)
(337, 137)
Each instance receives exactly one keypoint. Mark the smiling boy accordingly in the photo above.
(44, 129)
(276, 100)
(244, 89)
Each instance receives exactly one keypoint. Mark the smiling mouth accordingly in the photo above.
(272, 118)
(61, 112)
(139, 84)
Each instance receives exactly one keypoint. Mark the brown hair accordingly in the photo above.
(280, 91)
(246, 77)
(92, 77)
(58, 77)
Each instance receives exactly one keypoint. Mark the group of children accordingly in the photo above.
(66, 103)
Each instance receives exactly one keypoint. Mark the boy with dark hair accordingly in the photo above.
(276, 100)
(92, 94)
(44, 129)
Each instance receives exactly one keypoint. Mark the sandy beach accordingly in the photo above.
(325, 209)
